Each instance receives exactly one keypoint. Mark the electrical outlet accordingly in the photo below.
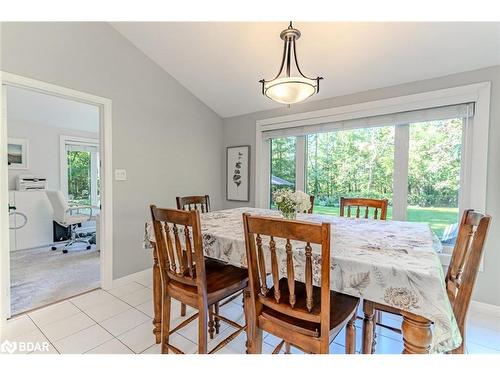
(120, 174)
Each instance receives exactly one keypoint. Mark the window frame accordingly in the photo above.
(65, 140)
(474, 149)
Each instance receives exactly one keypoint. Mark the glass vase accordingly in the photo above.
(289, 215)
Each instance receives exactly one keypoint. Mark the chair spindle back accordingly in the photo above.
(194, 202)
(366, 204)
(179, 244)
(261, 236)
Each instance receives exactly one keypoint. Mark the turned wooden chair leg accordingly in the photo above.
(216, 318)
(202, 330)
(183, 309)
(368, 309)
(211, 328)
(165, 324)
(377, 318)
(157, 296)
(350, 336)
(254, 334)
(255, 342)
(287, 348)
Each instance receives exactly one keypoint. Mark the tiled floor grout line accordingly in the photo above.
(113, 336)
(116, 337)
(85, 328)
(149, 347)
(151, 319)
(49, 341)
(96, 322)
(41, 328)
(122, 300)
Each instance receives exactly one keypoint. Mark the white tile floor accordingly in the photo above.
(119, 322)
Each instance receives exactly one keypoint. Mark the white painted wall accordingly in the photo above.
(240, 130)
(43, 150)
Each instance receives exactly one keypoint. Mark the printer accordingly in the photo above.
(31, 183)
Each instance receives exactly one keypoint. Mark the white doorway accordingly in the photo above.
(84, 179)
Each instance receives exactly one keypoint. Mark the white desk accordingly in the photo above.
(38, 230)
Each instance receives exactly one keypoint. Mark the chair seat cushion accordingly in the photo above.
(342, 308)
(221, 276)
(223, 280)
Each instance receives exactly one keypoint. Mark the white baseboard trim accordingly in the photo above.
(132, 277)
(484, 308)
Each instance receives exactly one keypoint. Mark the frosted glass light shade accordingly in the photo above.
(290, 90)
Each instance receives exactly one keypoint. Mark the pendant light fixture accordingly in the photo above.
(286, 88)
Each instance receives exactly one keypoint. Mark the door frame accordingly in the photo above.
(105, 146)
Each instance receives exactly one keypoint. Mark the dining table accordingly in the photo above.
(393, 263)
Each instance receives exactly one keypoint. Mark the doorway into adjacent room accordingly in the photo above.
(56, 203)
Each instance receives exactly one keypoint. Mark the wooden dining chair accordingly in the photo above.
(460, 278)
(366, 203)
(301, 314)
(189, 277)
(194, 202)
(201, 203)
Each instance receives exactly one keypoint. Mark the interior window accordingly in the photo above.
(83, 174)
(79, 177)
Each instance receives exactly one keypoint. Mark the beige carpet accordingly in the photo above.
(41, 276)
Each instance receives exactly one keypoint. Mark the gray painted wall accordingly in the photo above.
(241, 130)
(166, 139)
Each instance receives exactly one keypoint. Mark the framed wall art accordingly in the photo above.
(238, 173)
(18, 153)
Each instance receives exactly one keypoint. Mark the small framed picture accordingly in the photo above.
(18, 153)
(238, 173)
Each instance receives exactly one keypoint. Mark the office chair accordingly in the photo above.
(63, 214)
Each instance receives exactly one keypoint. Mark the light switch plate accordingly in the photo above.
(120, 174)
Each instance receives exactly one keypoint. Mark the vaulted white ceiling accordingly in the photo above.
(221, 63)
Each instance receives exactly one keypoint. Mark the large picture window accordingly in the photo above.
(422, 159)
(424, 152)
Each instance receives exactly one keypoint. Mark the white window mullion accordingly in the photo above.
(300, 160)
(464, 192)
(400, 176)
(94, 159)
(263, 197)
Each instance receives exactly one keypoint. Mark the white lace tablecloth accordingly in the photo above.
(390, 262)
